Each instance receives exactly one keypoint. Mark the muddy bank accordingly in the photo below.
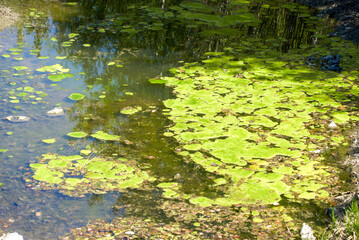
(8, 17)
(346, 12)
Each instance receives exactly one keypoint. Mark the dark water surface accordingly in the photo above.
(147, 47)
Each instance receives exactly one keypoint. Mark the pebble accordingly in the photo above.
(57, 111)
(17, 119)
(332, 124)
(317, 151)
(130, 233)
(306, 233)
(11, 236)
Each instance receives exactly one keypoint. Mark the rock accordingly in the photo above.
(306, 233)
(339, 210)
(327, 62)
(317, 151)
(57, 111)
(311, 61)
(11, 236)
(331, 63)
(17, 119)
(332, 124)
(130, 233)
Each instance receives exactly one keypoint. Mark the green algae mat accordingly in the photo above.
(257, 122)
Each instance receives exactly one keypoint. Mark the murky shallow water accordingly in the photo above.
(108, 89)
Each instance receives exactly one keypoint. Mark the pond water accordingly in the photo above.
(108, 52)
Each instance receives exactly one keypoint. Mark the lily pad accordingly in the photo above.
(77, 134)
(157, 81)
(76, 96)
(131, 110)
(105, 136)
(20, 68)
(49, 141)
(59, 77)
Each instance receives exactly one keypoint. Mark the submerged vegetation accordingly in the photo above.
(233, 151)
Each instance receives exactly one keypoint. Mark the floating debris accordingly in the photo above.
(57, 111)
(17, 119)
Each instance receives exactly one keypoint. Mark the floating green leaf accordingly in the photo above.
(59, 77)
(72, 35)
(76, 96)
(77, 134)
(20, 68)
(49, 141)
(131, 110)
(157, 81)
(105, 136)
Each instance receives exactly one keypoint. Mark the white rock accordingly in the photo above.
(306, 233)
(11, 236)
(130, 233)
(57, 111)
(332, 124)
(317, 151)
(17, 118)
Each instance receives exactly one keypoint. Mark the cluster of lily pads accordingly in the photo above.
(255, 120)
(58, 72)
(26, 93)
(77, 176)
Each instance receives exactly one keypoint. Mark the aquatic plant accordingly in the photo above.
(76, 96)
(77, 134)
(76, 176)
(131, 110)
(253, 119)
(105, 136)
(346, 227)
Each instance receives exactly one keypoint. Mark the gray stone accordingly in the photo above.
(57, 111)
(17, 119)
